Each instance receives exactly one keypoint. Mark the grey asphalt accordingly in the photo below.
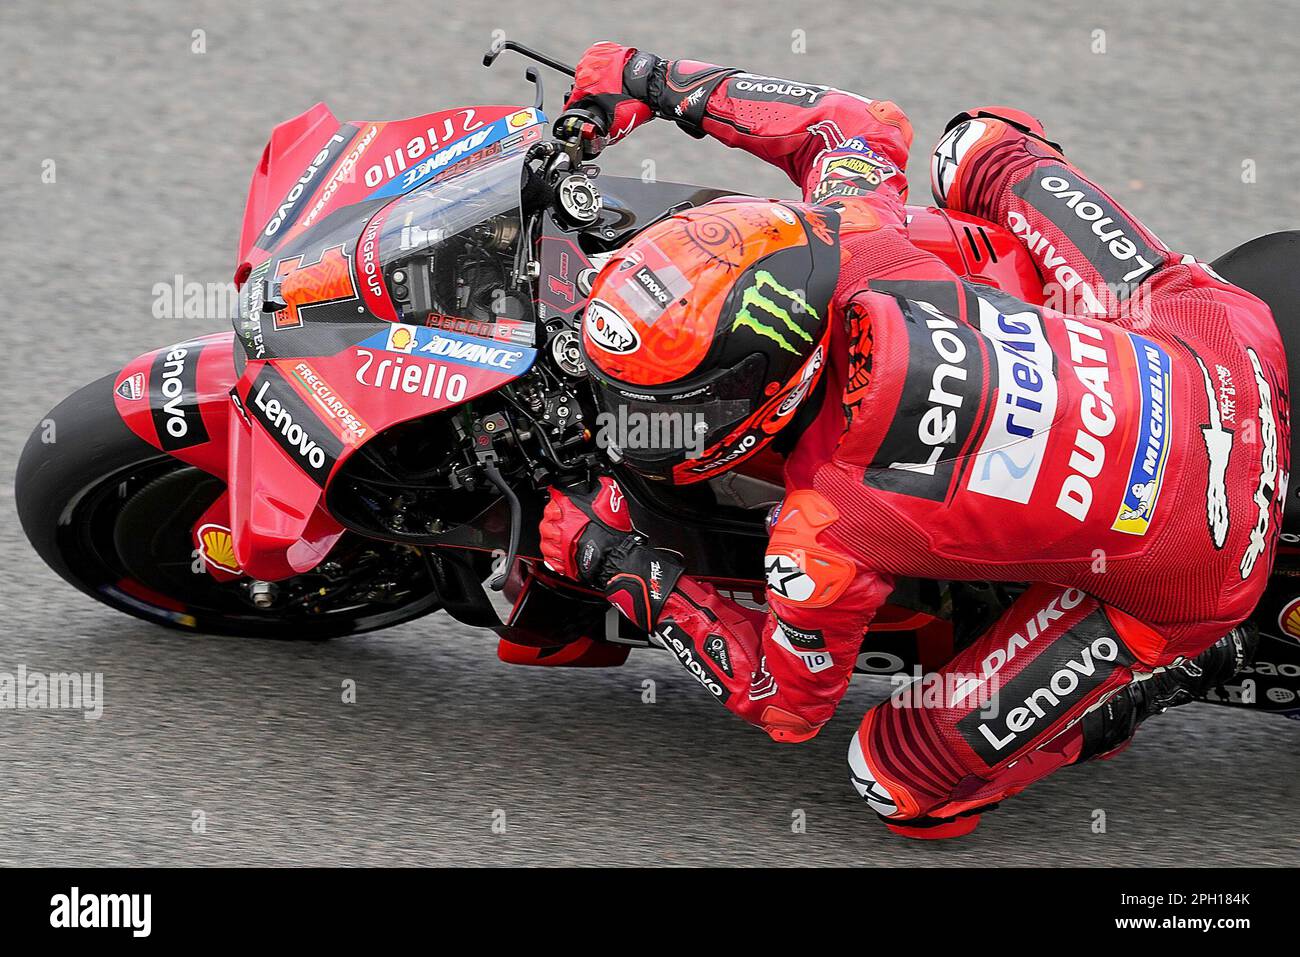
(153, 145)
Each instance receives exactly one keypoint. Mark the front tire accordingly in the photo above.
(112, 515)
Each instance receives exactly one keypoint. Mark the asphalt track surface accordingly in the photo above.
(153, 146)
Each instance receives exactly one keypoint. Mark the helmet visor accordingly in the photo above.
(652, 431)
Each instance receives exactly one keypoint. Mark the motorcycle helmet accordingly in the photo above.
(706, 332)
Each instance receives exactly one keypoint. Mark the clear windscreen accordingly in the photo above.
(455, 248)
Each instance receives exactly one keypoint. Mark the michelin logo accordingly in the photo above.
(1147, 471)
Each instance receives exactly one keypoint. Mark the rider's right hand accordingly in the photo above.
(599, 87)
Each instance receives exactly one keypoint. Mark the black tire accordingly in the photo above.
(102, 507)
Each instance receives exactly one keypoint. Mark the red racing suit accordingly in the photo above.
(1126, 450)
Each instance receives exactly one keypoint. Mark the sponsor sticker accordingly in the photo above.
(1015, 443)
(290, 208)
(608, 330)
(1288, 619)
(427, 343)
(132, 387)
(173, 397)
(217, 548)
(1060, 677)
(1147, 471)
(292, 423)
(943, 390)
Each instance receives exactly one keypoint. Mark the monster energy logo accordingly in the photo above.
(764, 316)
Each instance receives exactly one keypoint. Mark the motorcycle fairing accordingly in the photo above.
(314, 165)
(177, 399)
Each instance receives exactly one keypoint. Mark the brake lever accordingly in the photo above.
(535, 78)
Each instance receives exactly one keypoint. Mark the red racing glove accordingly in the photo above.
(599, 86)
(587, 536)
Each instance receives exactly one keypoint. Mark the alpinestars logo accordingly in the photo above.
(767, 309)
(1268, 481)
(1218, 446)
(787, 579)
(949, 153)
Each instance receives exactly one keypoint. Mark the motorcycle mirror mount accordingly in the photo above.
(496, 49)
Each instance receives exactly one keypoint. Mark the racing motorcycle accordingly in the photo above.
(373, 440)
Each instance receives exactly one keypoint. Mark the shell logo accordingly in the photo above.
(1288, 619)
(401, 338)
(217, 546)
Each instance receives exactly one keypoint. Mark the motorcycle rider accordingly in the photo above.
(1124, 451)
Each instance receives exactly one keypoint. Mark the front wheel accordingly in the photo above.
(113, 516)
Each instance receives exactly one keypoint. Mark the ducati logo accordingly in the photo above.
(132, 387)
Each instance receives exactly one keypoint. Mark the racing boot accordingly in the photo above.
(1109, 729)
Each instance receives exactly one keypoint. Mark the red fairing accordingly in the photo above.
(285, 158)
(178, 399)
(304, 417)
(314, 164)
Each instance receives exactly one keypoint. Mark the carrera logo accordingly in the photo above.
(1062, 676)
(608, 330)
(295, 427)
(173, 398)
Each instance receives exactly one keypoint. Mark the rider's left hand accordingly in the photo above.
(600, 84)
(582, 528)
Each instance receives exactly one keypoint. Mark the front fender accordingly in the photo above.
(177, 399)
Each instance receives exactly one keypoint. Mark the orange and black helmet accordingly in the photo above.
(706, 332)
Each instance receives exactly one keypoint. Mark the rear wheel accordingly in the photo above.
(113, 516)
